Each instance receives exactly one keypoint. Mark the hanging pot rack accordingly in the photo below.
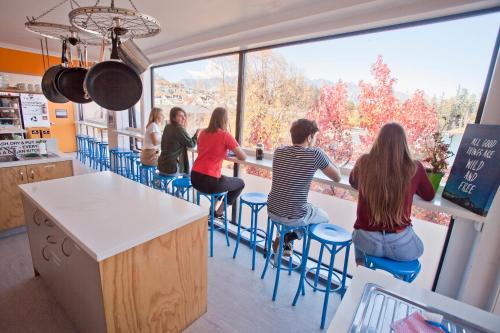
(127, 23)
(61, 31)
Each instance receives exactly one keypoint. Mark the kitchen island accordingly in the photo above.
(117, 255)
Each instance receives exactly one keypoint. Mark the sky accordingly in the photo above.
(436, 58)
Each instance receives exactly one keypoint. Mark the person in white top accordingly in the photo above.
(152, 138)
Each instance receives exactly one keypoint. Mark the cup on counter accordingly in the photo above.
(21, 86)
(30, 87)
(38, 88)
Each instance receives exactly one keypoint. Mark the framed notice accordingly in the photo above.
(475, 174)
(35, 110)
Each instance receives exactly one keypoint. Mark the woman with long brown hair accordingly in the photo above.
(174, 144)
(387, 178)
(213, 145)
(151, 143)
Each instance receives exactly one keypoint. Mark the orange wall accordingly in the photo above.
(28, 63)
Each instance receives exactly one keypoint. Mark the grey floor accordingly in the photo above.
(238, 300)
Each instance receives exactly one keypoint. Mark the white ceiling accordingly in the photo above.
(199, 27)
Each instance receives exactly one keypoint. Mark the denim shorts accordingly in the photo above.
(314, 215)
(403, 246)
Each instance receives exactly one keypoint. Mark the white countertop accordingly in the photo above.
(437, 205)
(107, 214)
(345, 313)
(37, 160)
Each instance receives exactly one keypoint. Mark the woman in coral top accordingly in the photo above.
(387, 178)
(213, 144)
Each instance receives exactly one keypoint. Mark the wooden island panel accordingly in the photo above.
(11, 206)
(160, 285)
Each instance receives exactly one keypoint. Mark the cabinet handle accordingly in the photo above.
(43, 253)
(49, 223)
(22, 175)
(37, 216)
(51, 239)
(62, 247)
(32, 176)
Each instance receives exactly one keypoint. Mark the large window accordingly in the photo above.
(427, 78)
(424, 77)
(198, 87)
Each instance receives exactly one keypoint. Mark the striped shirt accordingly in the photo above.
(293, 170)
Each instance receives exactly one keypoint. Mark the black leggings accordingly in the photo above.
(208, 184)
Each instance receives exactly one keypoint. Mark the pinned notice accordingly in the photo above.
(475, 175)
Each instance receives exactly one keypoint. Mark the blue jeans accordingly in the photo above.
(314, 215)
(403, 246)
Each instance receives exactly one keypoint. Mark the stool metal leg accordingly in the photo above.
(344, 271)
(328, 287)
(270, 233)
(238, 234)
(278, 267)
(303, 271)
(212, 213)
(225, 219)
(318, 266)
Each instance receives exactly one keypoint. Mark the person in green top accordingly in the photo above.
(174, 143)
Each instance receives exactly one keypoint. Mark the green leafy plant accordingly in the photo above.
(437, 152)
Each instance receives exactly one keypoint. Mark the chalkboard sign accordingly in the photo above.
(475, 175)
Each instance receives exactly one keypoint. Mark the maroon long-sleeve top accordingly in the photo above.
(420, 185)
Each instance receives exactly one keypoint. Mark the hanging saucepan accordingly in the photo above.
(48, 79)
(69, 82)
(130, 54)
(112, 84)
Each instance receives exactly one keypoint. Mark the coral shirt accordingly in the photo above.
(212, 149)
(420, 185)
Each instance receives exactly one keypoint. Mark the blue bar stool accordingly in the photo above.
(162, 181)
(90, 150)
(181, 187)
(118, 162)
(96, 153)
(82, 147)
(282, 229)
(213, 198)
(334, 239)
(103, 156)
(403, 270)
(256, 201)
(132, 171)
(146, 174)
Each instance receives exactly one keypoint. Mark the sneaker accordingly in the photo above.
(287, 249)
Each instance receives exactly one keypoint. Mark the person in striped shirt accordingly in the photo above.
(293, 169)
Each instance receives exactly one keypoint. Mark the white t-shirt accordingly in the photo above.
(152, 128)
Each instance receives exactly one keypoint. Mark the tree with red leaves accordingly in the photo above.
(331, 112)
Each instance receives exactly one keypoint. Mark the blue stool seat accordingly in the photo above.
(162, 181)
(333, 238)
(213, 197)
(256, 201)
(403, 270)
(181, 187)
(282, 229)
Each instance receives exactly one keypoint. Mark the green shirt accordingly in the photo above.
(174, 143)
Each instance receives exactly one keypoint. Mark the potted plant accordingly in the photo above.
(437, 152)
